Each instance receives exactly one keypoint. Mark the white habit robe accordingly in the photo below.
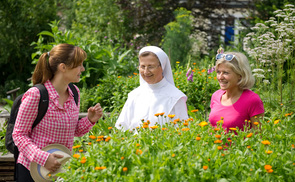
(149, 99)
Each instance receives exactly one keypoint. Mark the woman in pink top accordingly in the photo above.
(235, 102)
(55, 69)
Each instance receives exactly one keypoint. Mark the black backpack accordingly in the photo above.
(42, 109)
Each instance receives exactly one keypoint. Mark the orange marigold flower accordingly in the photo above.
(77, 156)
(81, 150)
(219, 147)
(216, 129)
(198, 138)
(110, 128)
(209, 160)
(256, 123)
(220, 122)
(195, 110)
(138, 151)
(177, 120)
(125, 169)
(233, 129)
(185, 129)
(203, 70)
(267, 167)
(276, 121)
(179, 133)
(135, 73)
(76, 146)
(173, 155)
(270, 171)
(100, 168)
(265, 142)
(249, 135)
(162, 113)
(122, 158)
(89, 143)
(101, 136)
(229, 140)
(154, 127)
(145, 126)
(98, 140)
(203, 123)
(83, 160)
(268, 151)
(222, 155)
(92, 137)
(218, 136)
(217, 141)
(137, 145)
(157, 114)
(171, 115)
(293, 146)
(185, 124)
(205, 167)
(108, 139)
(164, 129)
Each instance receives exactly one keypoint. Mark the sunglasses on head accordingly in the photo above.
(227, 57)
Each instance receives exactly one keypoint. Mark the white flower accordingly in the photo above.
(266, 81)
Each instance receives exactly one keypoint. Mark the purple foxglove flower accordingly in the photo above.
(190, 78)
(188, 72)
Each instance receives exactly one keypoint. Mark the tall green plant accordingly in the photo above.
(177, 41)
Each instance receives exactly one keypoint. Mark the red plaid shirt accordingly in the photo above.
(59, 125)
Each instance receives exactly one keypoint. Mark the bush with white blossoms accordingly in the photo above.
(271, 45)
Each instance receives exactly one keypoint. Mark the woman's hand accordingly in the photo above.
(94, 113)
(52, 164)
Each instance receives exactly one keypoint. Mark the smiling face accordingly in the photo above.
(227, 78)
(150, 69)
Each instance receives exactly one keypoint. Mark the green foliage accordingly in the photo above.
(177, 41)
(101, 59)
(21, 20)
(175, 154)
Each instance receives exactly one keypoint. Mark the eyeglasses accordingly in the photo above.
(227, 57)
(149, 68)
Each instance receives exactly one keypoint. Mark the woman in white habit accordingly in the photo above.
(156, 94)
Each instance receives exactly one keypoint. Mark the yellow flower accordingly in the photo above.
(125, 169)
(276, 121)
(177, 62)
(203, 123)
(217, 141)
(171, 115)
(268, 151)
(205, 167)
(154, 127)
(265, 142)
(233, 129)
(198, 138)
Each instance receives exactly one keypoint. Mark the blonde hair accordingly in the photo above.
(240, 65)
(72, 56)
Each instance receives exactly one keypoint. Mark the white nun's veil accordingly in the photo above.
(164, 60)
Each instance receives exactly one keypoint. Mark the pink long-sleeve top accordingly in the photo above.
(59, 125)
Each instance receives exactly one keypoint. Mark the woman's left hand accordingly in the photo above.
(94, 113)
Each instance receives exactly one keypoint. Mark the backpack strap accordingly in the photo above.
(75, 92)
(43, 103)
